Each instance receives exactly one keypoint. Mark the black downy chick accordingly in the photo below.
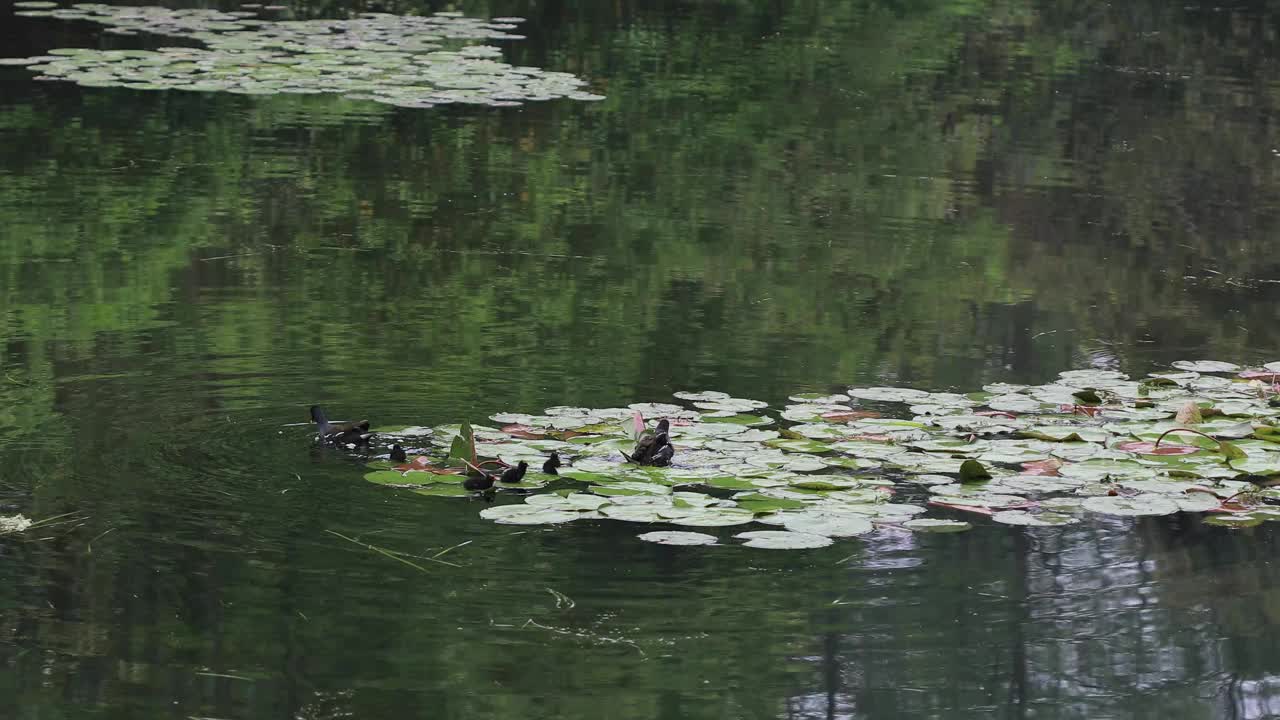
(550, 466)
(342, 433)
(483, 481)
(515, 474)
(398, 454)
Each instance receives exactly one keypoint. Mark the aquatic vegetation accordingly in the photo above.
(406, 61)
(845, 465)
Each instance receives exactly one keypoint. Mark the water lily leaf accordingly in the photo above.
(783, 540)
(889, 394)
(1144, 504)
(1022, 517)
(1141, 447)
(392, 477)
(527, 515)
(443, 490)
(704, 395)
(758, 503)
(1234, 520)
(821, 399)
(1065, 433)
(936, 525)
(1206, 366)
(677, 537)
(713, 517)
(827, 524)
(800, 446)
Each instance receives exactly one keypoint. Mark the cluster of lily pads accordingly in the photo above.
(406, 61)
(1200, 439)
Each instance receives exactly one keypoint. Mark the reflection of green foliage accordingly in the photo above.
(774, 196)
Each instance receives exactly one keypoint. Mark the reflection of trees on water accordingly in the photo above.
(799, 192)
(1168, 619)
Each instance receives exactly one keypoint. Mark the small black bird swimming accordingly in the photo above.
(553, 462)
(654, 448)
(515, 474)
(342, 433)
(398, 454)
(483, 481)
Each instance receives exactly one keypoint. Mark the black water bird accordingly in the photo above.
(515, 474)
(482, 481)
(398, 454)
(654, 447)
(356, 433)
(550, 466)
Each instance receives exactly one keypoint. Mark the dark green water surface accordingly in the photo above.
(776, 197)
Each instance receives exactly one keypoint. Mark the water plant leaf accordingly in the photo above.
(827, 524)
(783, 540)
(1206, 366)
(392, 477)
(678, 537)
(758, 503)
(1142, 447)
(1144, 504)
(1022, 517)
(936, 525)
(527, 515)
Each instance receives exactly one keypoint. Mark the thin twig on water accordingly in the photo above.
(89, 546)
(390, 554)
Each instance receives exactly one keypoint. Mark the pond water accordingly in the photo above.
(773, 198)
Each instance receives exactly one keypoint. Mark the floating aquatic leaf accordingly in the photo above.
(889, 394)
(827, 524)
(390, 58)
(677, 537)
(1206, 366)
(1022, 517)
(783, 540)
(1235, 520)
(392, 477)
(704, 396)
(1149, 448)
(443, 490)
(936, 525)
(713, 517)
(527, 515)
(1144, 504)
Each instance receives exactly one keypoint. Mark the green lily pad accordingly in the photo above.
(783, 540)
(677, 537)
(527, 515)
(1022, 517)
(394, 477)
(1144, 504)
(936, 525)
(444, 491)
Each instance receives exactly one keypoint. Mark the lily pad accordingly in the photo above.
(1206, 366)
(936, 525)
(1022, 517)
(1144, 504)
(783, 540)
(677, 537)
(527, 515)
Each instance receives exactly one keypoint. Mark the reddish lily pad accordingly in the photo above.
(1045, 468)
(1149, 448)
